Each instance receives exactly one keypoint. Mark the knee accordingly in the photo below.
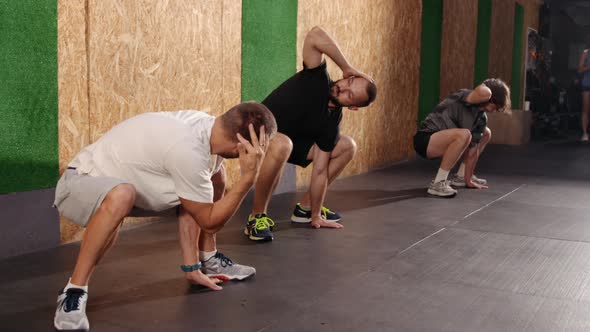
(120, 200)
(463, 135)
(347, 145)
(219, 178)
(280, 146)
(487, 134)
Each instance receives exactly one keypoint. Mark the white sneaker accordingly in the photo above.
(442, 189)
(459, 181)
(71, 310)
(477, 180)
(584, 138)
(221, 267)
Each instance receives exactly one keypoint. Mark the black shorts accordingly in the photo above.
(421, 140)
(301, 147)
(585, 88)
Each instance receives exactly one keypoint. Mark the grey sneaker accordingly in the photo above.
(71, 310)
(442, 189)
(459, 181)
(221, 267)
(477, 180)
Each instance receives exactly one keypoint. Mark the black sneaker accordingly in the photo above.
(303, 216)
(259, 227)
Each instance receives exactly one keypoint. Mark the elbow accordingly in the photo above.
(213, 225)
(315, 34)
(485, 93)
(211, 228)
(317, 30)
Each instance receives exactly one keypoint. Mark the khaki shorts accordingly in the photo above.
(77, 197)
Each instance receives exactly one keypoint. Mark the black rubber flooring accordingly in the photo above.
(515, 257)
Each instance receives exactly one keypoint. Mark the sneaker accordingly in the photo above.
(477, 180)
(584, 138)
(259, 227)
(301, 215)
(221, 267)
(71, 310)
(442, 189)
(459, 181)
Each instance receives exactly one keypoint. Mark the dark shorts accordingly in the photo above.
(421, 140)
(585, 88)
(301, 147)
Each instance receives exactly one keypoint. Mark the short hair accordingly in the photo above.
(239, 117)
(371, 93)
(500, 92)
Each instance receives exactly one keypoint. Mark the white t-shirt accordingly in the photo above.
(165, 155)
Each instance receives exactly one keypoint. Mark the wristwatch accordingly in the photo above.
(191, 268)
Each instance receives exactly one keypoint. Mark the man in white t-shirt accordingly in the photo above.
(155, 162)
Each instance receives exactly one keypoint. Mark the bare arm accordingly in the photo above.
(481, 94)
(582, 68)
(211, 217)
(318, 187)
(319, 42)
(189, 233)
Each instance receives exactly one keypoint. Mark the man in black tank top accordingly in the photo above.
(308, 110)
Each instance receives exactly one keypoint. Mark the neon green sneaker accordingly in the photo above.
(259, 227)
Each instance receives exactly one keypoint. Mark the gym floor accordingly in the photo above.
(515, 257)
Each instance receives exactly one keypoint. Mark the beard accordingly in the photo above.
(333, 99)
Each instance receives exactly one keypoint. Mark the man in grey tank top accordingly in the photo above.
(457, 128)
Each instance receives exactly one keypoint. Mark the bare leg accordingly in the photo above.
(276, 157)
(189, 232)
(101, 231)
(342, 154)
(450, 144)
(473, 156)
(207, 242)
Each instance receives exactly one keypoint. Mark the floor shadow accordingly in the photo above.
(156, 291)
(350, 200)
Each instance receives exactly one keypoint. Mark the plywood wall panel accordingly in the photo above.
(143, 56)
(459, 33)
(232, 68)
(381, 38)
(72, 89)
(531, 13)
(149, 56)
(501, 40)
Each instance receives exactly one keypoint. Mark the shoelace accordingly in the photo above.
(263, 223)
(325, 211)
(225, 261)
(72, 300)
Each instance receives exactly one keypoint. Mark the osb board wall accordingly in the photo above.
(502, 35)
(143, 56)
(531, 13)
(72, 89)
(381, 38)
(501, 40)
(72, 79)
(459, 33)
